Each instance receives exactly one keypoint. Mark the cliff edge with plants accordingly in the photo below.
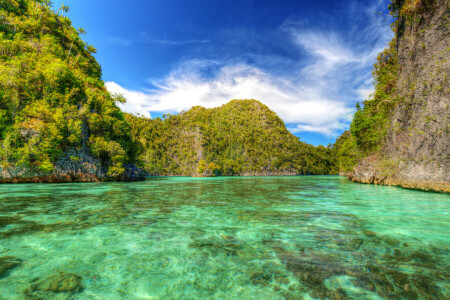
(402, 132)
(57, 120)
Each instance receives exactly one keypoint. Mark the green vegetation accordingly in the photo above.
(345, 153)
(370, 123)
(53, 103)
(238, 138)
(52, 98)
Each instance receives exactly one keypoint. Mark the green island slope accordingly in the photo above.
(242, 137)
(57, 120)
(400, 135)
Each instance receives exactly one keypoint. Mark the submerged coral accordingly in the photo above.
(7, 263)
(59, 283)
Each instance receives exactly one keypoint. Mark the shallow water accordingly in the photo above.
(297, 237)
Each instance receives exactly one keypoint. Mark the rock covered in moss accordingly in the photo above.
(7, 263)
(60, 283)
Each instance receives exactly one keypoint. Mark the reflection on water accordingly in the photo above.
(225, 238)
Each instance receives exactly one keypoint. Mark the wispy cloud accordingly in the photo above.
(185, 88)
(136, 101)
(147, 40)
(168, 42)
(313, 88)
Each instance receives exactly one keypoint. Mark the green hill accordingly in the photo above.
(57, 121)
(242, 137)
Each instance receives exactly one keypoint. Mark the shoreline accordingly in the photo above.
(65, 179)
(426, 186)
(87, 178)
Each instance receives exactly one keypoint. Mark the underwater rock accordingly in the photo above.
(391, 241)
(4, 221)
(96, 258)
(227, 245)
(370, 270)
(344, 240)
(260, 278)
(354, 244)
(268, 275)
(364, 283)
(369, 233)
(338, 294)
(229, 238)
(312, 272)
(426, 288)
(417, 257)
(393, 284)
(383, 286)
(7, 263)
(60, 283)
(422, 256)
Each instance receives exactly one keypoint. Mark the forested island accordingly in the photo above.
(134, 220)
(58, 123)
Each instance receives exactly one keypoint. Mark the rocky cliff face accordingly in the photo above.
(416, 153)
(73, 166)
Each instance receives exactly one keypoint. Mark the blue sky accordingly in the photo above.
(309, 61)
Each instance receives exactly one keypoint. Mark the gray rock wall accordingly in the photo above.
(416, 153)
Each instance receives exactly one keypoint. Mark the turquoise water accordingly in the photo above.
(297, 237)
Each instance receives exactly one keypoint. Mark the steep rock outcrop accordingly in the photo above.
(416, 153)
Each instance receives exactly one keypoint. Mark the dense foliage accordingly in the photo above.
(53, 100)
(238, 138)
(52, 97)
(345, 153)
(370, 123)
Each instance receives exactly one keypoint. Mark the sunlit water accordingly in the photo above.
(223, 238)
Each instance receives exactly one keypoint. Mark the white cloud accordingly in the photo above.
(365, 93)
(316, 94)
(294, 104)
(136, 101)
(145, 39)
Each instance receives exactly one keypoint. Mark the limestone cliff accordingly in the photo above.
(416, 149)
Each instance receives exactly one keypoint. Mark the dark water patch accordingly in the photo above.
(8, 263)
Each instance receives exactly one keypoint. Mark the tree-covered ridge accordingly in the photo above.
(371, 120)
(370, 123)
(242, 137)
(57, 116)
(52, 97)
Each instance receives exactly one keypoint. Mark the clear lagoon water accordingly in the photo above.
(299, 237)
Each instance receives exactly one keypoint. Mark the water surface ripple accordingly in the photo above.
(299, 237)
